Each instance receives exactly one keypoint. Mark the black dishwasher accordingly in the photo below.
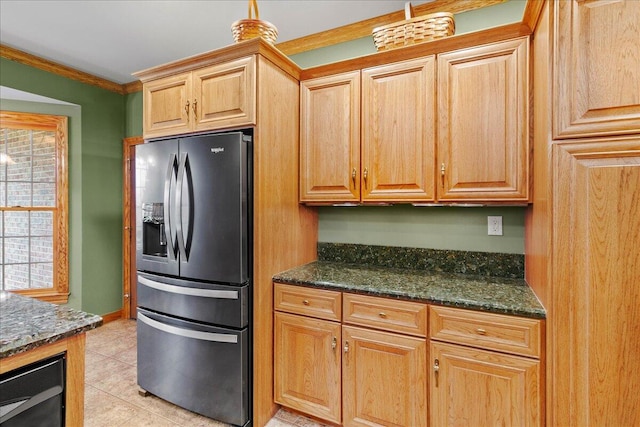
(34, 394)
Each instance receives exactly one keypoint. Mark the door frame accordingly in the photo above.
(129, 226)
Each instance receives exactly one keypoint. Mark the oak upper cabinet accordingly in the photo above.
(209, 98)
(485, 369)
(369, 136)
(596, 87)
(307, 351)
(398, 131)
(383, 371)
(330, 138)
(483, 125)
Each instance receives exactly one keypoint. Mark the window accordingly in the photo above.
(34, 205)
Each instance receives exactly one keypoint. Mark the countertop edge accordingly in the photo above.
(92, 323)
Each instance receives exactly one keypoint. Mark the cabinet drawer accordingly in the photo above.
(318, 303)
(517, 335)
(386, 313)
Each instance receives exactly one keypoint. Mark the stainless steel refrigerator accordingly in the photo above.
(193, 249)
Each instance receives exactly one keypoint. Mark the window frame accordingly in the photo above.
(59, 292)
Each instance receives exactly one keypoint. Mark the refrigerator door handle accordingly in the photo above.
(181, 290)
(188, 333)
(182, 171)
(168, 229)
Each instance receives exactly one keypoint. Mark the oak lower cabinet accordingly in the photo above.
(473, 387)
(209, 98)
(346, 374)
(473, 381)
(359, 360)
(307, 365)
(595, 370)
(383, 378)
(307, 359)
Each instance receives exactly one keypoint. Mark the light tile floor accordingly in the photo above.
(111, 391)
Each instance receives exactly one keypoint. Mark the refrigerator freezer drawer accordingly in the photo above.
(207, 303)
(201, 368)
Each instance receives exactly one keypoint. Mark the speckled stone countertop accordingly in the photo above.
(27, 323)
(493, 294)
(473, 291)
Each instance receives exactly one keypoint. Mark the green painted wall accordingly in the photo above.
(95, 182)
(423, 227)
(436, 227)
(501, 14)
(133, 120)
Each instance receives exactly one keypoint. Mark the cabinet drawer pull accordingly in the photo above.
(382, 314)
(346, 347)
(436, 370)
(186, 109)
(353, 176)
(365, 175)
(305, 301)
(195, 109)
(481, 331)
(334, 343)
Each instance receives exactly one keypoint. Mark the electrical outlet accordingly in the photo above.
(495, 225)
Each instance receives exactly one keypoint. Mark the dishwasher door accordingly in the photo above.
(202, 368)
(34, 394)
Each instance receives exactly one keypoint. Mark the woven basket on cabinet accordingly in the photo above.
(245, 29)
(414, 30)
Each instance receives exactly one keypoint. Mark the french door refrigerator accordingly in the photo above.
(193, 249)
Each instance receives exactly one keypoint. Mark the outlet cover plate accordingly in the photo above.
(494, 225)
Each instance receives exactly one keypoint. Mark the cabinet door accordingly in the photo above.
(330, 139)
(471, 387)
(596, 303)
(398, 131)
(167, 106)
(595, 72)
(483, 151)
(224, 95)
(307, 365)
(384, 379)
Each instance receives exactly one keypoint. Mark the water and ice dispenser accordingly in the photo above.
(154, 241)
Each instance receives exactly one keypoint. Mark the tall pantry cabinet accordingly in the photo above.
(583, 227)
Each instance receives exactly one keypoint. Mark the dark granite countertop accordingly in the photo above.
(27, 323)
(485, 293)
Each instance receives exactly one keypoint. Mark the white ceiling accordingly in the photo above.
(114, 38)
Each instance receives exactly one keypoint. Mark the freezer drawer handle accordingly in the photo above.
(30, 403)
(197, 292)
(188, 333)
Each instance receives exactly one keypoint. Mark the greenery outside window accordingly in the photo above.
(34, 205)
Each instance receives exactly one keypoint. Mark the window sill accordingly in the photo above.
(48, 295)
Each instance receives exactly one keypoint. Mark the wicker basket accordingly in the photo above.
(414, 30)
(245, 29)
